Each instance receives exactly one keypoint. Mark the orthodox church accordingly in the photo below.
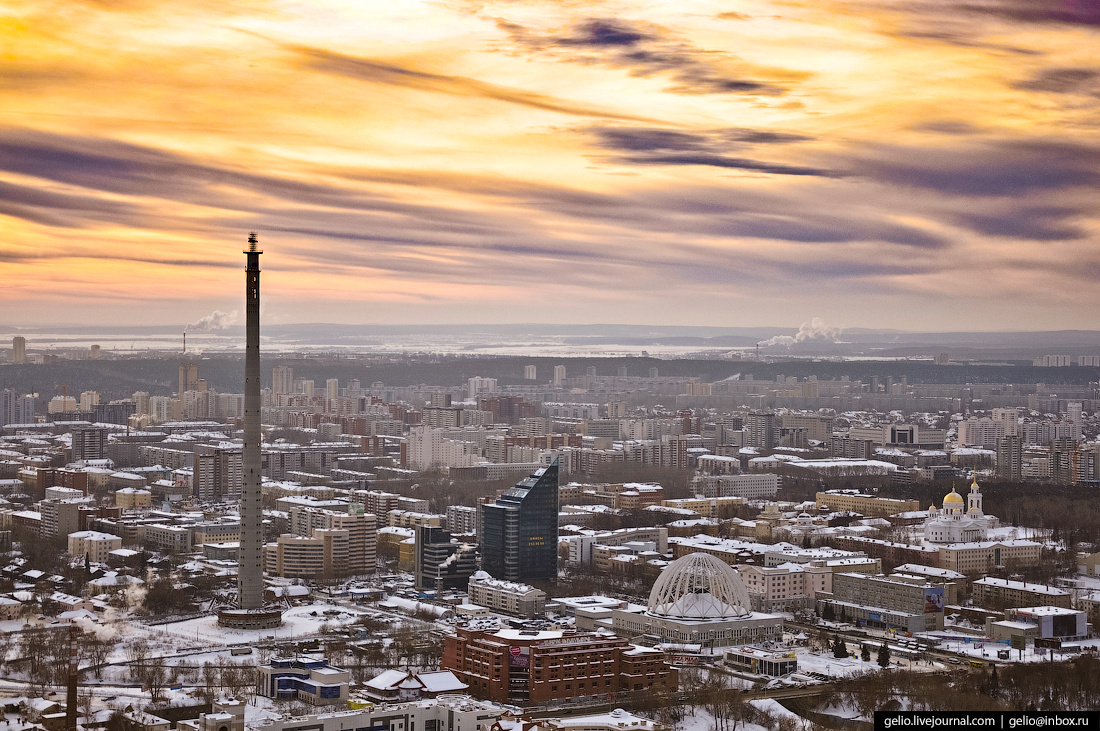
(953, 524)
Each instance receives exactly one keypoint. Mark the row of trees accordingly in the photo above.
(1073, 685)
(43, 654)
(840, 651)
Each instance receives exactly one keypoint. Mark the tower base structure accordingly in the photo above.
(263, 618)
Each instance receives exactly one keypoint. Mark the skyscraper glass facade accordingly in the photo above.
(519, 532)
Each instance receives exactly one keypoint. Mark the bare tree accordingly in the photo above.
(136, 651)
(155, 678)
(210, 679)
(95, 651)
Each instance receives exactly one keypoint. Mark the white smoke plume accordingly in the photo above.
(815, 329)
(216, 320)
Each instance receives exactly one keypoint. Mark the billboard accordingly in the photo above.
(933, 599)
(519, 657)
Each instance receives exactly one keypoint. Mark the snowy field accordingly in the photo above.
(826, 664)
(298, 622)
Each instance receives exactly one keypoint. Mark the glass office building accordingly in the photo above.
(519, 532)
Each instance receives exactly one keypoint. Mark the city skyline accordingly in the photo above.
(715, 163)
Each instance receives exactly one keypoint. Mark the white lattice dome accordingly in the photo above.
(699, 586)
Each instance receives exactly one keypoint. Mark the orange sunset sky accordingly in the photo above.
(920, 164)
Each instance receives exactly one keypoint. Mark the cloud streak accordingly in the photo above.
(378, 72)
(647, 50)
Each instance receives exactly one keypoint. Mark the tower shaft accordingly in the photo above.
(250, 578)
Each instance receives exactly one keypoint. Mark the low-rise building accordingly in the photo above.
(401, 686)
(93, 544)
(458, 713)
(1048, 623)
(215, 532)
(532, 667)
(995, 593)
(130, 498)
(164, 537)
(309, 679)
(985, 556)
(908, 603)
(509, 597)
(760, 660)
(785, 588)
(869, 505)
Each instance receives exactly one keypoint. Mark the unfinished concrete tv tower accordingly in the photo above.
(250, 612)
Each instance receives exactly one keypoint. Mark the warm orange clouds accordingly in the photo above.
(701, 162)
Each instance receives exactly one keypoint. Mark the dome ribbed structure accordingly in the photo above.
(699, 586)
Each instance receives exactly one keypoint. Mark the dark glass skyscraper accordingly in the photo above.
(519, 532)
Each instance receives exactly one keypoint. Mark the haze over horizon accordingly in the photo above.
(920, 166)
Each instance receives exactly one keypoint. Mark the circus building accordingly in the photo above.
(959, 522)
(699, 600)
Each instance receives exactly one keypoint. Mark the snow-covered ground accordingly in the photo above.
(703, 721)
(824, 663)
(297, 622)
(775, 708)
(988, 651)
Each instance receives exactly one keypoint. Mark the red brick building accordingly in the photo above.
(528, 667)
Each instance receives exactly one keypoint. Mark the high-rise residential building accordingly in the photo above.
(16, 409)
(7, 407)
(760, 430)
(477, 386)
(653, 372)
(189, 378)
(61, 516)
(332, 389)
(1011, 420)
(323, 555)
(361, 527)
(307, 387)
(530, 373)
(1092, 361)
(282, 380)
(61, 405)
(141, 402)
(975, 432)
(88, 399)
(519, 530)
(163, 408)
(1010, 457)
(116, 412)
(89, 442)
(559, 374)
(461, 519)
(440, 562)
(94, 352)
(19, 350)
(218, 474)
